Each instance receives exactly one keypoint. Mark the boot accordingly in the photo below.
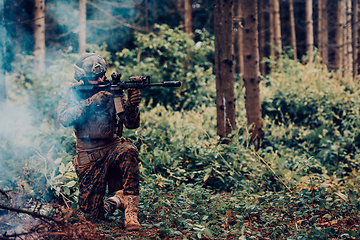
(115, 202)
(131, 220)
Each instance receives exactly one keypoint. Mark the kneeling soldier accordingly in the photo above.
(103, 157)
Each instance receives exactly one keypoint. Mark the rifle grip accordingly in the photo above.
(119, 105)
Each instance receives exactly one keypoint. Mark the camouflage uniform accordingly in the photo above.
(101, 161)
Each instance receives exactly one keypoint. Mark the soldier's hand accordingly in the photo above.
(134, 96)
(101, 99)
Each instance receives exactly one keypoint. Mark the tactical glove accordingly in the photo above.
(134, 96)
(101, 99)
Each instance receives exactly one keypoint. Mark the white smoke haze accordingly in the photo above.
(31, 139)
(65, 13)
(28, 118)
(17, 136)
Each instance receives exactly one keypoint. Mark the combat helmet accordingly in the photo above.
(88, 67)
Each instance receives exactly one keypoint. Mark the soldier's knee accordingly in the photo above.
(132, 149)
(131, 153)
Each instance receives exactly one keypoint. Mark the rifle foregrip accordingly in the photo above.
(171, 84)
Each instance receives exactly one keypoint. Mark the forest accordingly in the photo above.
(261, 141)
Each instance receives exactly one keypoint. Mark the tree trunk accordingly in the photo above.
(224, 67)
(251, 72)
(323, 31)
(262, 36)
(271, 28)
(320, 28)
(39, 33)
(187, 16)
(277, 26)
(355, 38)
(3, 56)
(292, 27)
(146, 16)
(348, 42)
(239, 39)
(309, 29)
(82, 26)
(339, 52)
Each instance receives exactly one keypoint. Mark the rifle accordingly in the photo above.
(116, 87)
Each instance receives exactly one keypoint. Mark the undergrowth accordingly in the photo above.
(302, 183)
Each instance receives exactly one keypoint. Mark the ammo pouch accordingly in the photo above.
(93, 131)
(85, 157)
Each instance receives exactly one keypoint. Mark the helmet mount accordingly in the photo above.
(89, 67)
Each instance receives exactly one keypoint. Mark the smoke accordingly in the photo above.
(30, 138)
(29, 127)
(16, 135)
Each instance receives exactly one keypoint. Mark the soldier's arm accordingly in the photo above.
(72, 110)
(131, 117)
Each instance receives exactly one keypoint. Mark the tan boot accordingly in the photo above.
(131, 220)
(115, 202)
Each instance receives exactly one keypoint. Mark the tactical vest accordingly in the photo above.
(100, 124)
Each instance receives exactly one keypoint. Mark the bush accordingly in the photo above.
(312, 111)
(172, 55)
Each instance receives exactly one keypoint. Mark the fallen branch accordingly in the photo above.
(4, 193)
(5, 236)
(34, 214)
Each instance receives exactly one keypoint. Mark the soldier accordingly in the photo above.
(103, 158)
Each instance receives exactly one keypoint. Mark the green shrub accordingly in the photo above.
(172, 55)
(312, 111)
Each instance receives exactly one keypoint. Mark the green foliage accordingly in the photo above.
(171, 55)
(314, 112)
(192, 212)
(35, 153)
(302, 184)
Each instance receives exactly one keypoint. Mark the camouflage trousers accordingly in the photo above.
(115, 166)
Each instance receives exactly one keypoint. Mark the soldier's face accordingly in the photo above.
(98, 81)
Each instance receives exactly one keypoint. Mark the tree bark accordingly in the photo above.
(309, 29)
(3, 56)
(146, 16)
(277, 28)
(339, 52)
(271, 28)
(187, 16)
(82, 26)
(224, 67)
(239, 38)
(348, 41)
(292, 27)
(323, 31)
(320, 28)
(261, 15)
(251, 72)
(355, 38)
(39, 34)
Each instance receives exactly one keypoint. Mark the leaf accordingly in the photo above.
(71, 184)
(327, 217)
(206, 177)
(208, 232)
(343, 196)
(58, 161)
(66, 191)
(62, 168)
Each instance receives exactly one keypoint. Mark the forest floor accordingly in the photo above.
(53, 221)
